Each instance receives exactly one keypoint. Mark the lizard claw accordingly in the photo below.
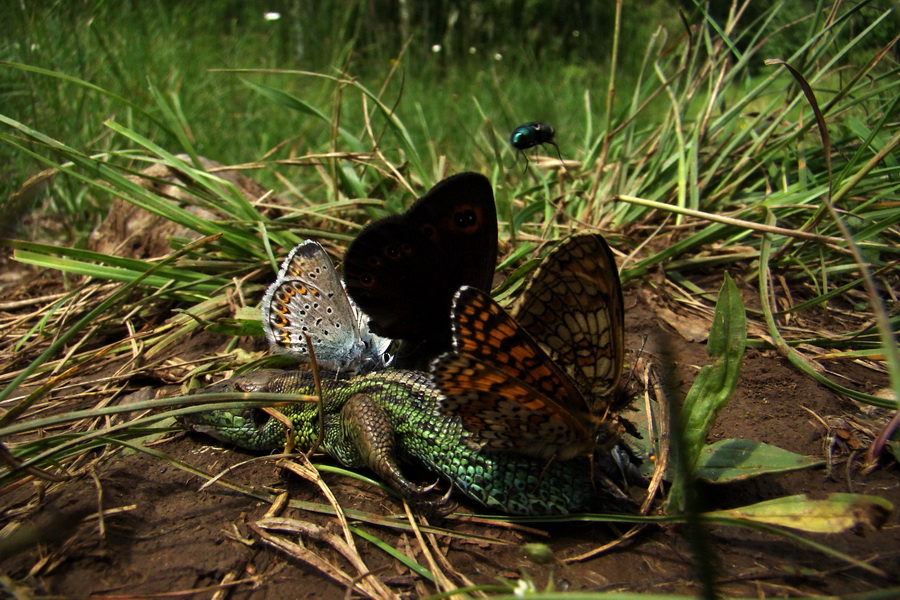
(433, 507)
(429, 488)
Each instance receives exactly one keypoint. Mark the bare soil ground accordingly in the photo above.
(161, 534)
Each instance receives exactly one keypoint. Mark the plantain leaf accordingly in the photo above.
(715, 383)
(737, 459)
(711, 391)
(834, 514)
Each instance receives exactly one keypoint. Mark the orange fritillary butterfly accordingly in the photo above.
(539, 390)
(573, 308)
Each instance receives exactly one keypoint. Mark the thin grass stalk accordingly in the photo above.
(792, 355)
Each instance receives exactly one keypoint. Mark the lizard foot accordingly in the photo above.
(366, 427)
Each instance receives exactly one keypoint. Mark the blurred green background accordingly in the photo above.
(447, 66)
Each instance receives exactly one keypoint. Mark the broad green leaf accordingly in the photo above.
(834, 514)
(737, 459)
(715, 383)
(711, 390)
(350, 181)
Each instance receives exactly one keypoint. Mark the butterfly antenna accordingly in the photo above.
(543, 472)
(623, 397)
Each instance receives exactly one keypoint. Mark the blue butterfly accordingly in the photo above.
(309, 297)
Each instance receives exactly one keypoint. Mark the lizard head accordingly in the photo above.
(247, 427)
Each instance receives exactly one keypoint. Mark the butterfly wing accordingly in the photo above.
(504, 386)
(402, 271)
(375, 353)
(483, 330)
(458, 216)
(308, 298)
(573, 308)
(389, 271)
(504, 412)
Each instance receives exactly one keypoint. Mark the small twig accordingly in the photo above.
(320, 403)
(101, 522)
(364, 582)
(225, 472)
(42, 300)
(304, 554)
(660, 436)
(290, 434)
(309, 473)
(14, 464)
(440, 579)
(625, 537)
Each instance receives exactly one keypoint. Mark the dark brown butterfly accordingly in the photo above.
(402, 271)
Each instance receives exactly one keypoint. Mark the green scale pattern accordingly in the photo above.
(387, 418)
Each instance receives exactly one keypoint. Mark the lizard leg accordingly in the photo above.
(367, 426)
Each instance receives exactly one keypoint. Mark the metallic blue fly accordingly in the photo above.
(533, 134)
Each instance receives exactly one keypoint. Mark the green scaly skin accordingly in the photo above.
(385, 418)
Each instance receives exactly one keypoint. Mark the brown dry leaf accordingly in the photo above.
(690, 327)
